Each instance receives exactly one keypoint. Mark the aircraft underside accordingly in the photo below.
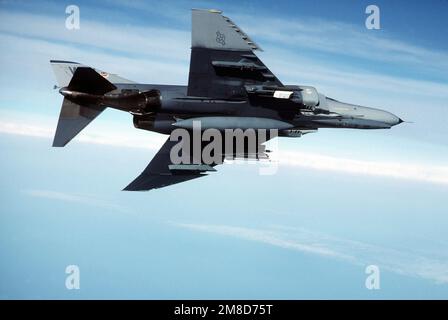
(229, 88)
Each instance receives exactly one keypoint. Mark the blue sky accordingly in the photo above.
(341, 199)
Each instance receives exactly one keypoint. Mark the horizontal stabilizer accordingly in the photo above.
(75, 117)
(72, 119)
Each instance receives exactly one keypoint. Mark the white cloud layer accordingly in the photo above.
(359, 253)
(161, 54)
(74, 198)
(112, 136)
(344, 39)
(399, 170)
(154, 54)
(101, 136)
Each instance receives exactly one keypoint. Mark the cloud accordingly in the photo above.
(74, 198)
(161, 54)
(312, 33)
(108, 135)
(25, 129)
(358, 253)
(398, 170)
(293, 66)
(116, 136)
(124, 39)
(154, 54)
(155, 49)
(140, 68)
(334, 37)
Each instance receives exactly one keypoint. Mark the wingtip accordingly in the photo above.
(59, 144)
(63, 61)
(208, 10)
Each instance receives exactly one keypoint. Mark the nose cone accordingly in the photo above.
(392, 119)
(386, 117)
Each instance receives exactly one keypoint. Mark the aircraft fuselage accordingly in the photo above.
(172, 104)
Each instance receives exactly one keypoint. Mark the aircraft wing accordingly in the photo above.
(161, 172)
(223, 59)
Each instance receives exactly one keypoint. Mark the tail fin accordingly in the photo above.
(64, 71)
(87, 80)
(75, 117)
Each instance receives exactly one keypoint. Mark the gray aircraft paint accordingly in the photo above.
(229, 87)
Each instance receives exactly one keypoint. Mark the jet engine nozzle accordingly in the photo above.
(136, 103)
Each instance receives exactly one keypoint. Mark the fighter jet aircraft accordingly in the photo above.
(229, 87)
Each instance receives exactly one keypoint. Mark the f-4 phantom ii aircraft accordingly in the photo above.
(229, 87)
